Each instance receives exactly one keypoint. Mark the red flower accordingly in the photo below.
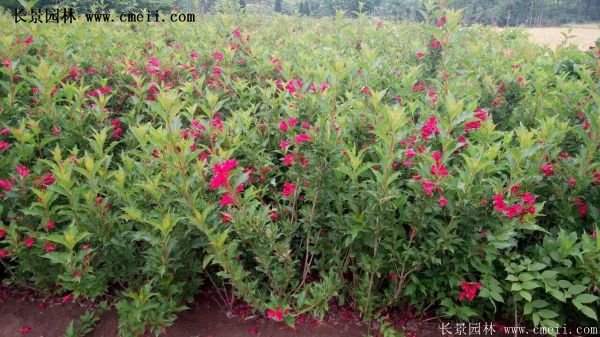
(596, 177)
(418, 87)
(4, 253)
(499, 203)
(24, 330)
(366, 91)
(2, 233)
(28, 40)
(6, 185)
(284, 144)
(582, 207)
(420, 55)
(218, 56)
(74, 73)
(429, 128)
(428, 187)
(442, 201)
(194, 55)
(435, 44)
(217, 123)
(274, 215)
(302, 138)
(4, 132)
(221, 173)
(49, 247)
(439, 170)
(293, 86)
(275, 314)
(410, 153)
(226, 217)
(7, 63)
(441, 21)
(29, 241)
(226, 200)
(288, 160)
(288, 189)
(472, 125)
(572, 182)
(513, 211)
(4, 145)
(481, 114)
(436, 155)
(283, 127)
(47, 180)
(50, 225)
(528, 198)
(22, 170)
(68, 298)
(468, 291)
(292, 122)
(547, 169)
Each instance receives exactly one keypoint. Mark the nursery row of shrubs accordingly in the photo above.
(294, 163)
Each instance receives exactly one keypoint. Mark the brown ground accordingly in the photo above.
(584, 36)
(203, 319)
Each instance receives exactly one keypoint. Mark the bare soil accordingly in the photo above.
(583, 36)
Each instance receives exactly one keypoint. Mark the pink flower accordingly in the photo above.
(418, 87)
(274, 215)
(366, 91)
(468, 291)
(528, 198)
(24, 330)
(441, 21)
(302, 138)
(547, 169)
(582, 207)
(4, 146)
(49, 247)
(218, 56)
(226, 200)
(50, 225)
(226, 217)
(236, 33)
(194, 55)
(410, 153)
(436, 155)
(275, 314)
(7, 63)
(472, 125)
(22, 170)
(572, 182)
(292, 122)
(420, 55)
(481, 114)
(217, 123)
(288, 189)
(442, 201)
(2, 233)
(48, 179)
(429, 128)
(284, 144)
(435, 44)
(513, 211)
(4, 132)
(74, 73)
(4, 253)
(288, 160)
(221, 173)
(6, 185)
(293, 86)
(29, 241)
(499, 203)
(283, 127)
(428, 187)
(439, 170)
(28, 40)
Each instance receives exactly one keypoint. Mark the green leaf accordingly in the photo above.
(585, 298)
(589, 312)
(547, 314)
(526, 295)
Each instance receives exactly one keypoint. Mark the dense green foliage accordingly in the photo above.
(295, 162)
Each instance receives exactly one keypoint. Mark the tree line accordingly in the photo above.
(495, 12)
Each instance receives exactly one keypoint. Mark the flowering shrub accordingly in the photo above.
(333, 165)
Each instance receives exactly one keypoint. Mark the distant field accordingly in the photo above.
(584, 36)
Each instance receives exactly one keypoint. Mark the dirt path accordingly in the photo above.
(584, 36)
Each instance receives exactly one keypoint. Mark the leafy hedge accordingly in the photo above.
(293, 163)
